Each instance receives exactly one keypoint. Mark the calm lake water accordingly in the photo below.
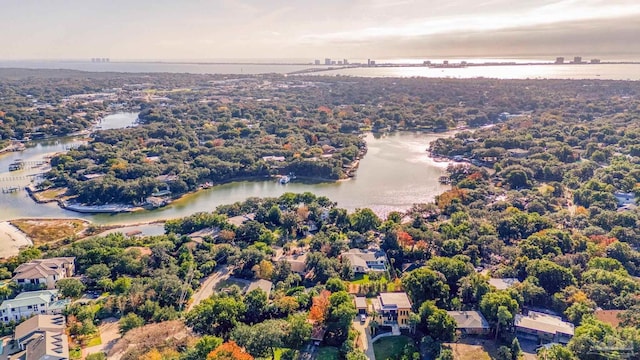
(565, 71)
(395, 173)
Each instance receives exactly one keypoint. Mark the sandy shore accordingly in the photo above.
(11, 240)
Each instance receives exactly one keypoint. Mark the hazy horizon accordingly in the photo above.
(194, 30)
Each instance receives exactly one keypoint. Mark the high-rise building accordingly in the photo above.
(345, 61)
(317, 62)
(595, 61)
(560, 60)
(327, 61)
(577, 60)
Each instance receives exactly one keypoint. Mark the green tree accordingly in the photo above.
(130, 321)
(299, 331)
(261, 339)
(516, 350)
(97, 272)
(551, 276)
(425, 284)
(363, 220)
(202, 348)
(335, 285)
(216, 316)
(498, 308)
(556, 352)
(70, 287)
(256, 302)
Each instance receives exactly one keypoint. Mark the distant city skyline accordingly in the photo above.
(347, 29)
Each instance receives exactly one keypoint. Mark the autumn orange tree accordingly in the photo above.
(229, 351)
(404, 239)
(320, 308)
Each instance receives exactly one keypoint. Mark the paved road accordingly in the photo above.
(367, 345)
(208, 285)
(109, 335)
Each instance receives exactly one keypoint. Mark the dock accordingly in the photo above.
(10, 190)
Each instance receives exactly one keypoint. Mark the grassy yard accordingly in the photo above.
(327, 353)
(75, 353)
(361, 279)
(390, 347)
(94, 341)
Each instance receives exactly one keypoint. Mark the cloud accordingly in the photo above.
(586, 38)
(559, 12)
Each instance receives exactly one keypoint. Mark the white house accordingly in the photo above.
(44, 271)
(543, 327)
(31, 303)
(363, 261)
(42, 337)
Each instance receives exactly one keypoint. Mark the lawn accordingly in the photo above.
(75, 353)
(361, 279)
(390, 347)
(327, 353)
(94, 341)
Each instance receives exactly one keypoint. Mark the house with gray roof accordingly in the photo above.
(543, 328)
(470, 322)
(364, 261)
(42, 337)
(264, 285)
(44, 271)
(503, 283)
(29, 303)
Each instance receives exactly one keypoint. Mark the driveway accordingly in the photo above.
(109, 335)
(208, 286)
(365, 338)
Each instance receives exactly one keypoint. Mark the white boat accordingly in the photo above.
(285, 180)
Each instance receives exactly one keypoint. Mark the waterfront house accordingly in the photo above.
(363, 261)
(543, 328)
(26, 304)
(470, 322)
(392, 309)
(44, 271)
(42, 337)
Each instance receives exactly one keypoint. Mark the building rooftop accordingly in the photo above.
(51, 323)
(503, 284)
(397, 299)
(544, 323)
(41, 268)
(264, 285)
(469, 319)
(361, 302)
(29, 298)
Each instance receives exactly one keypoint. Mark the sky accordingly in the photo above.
(302, 29)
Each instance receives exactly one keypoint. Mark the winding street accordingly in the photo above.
(208, 285)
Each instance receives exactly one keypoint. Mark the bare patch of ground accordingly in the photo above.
(46, 231)
(165, 335)
(473, 349)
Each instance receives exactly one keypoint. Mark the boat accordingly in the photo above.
(285, 179)
(16, 165)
